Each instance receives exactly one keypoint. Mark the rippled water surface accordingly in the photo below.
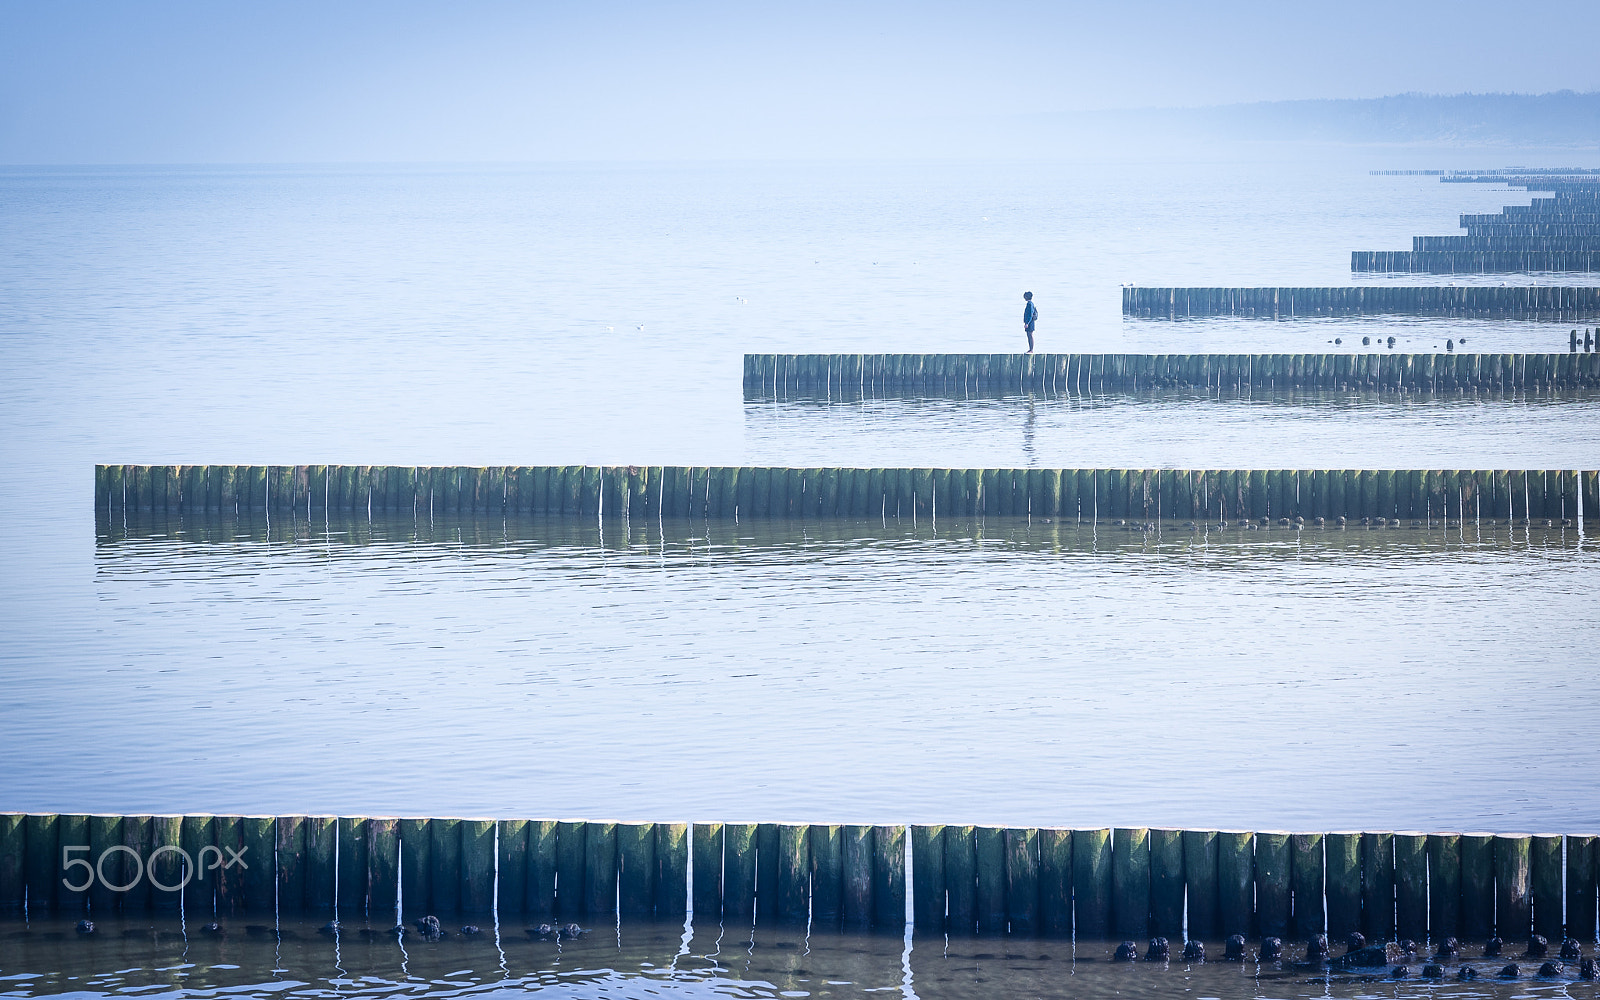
(999, 672)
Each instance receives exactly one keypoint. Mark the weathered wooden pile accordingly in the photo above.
(1051, 881)
(768, 375)
(782, 492)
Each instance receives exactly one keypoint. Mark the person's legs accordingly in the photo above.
(1029, 331)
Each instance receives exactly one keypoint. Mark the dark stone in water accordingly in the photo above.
(1491, 947)
(1399, 972)
(1356, 940)
(1433, 970)
(1467, 974)
(1586, 969)
(1283, 521)
(542, 931)
(572, 931)
(1571, 950)
(1341, 519)
(331, 928)
(1549, 970)
(1317, 949)
(1538, 947)
(1234, 948)
(1448, 948)
(1510, 972)
(1406, 946)
(86, 927)
(1194, 951)
(1160, 950)
(471, 930)
(1271, 949)
(1127, 951)
(429, 928)
(1363, 958)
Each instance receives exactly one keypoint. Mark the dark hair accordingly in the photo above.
(1027, 295)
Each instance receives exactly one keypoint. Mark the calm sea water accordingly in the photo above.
(1000, 672)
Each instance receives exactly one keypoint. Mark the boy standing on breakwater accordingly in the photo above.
(1030, 315)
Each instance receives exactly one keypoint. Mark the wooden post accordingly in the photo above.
(767, 870)
(164, 868)
(1583, 854)
(74, 832)
(827, 875)
(989, 843)
(1022, 880)
(1305, 866)
(1444, 885)
(258, 839)
(1545, 884)
(1477, 885)
(354, 871)
(445, 834)
(416, 867)
(1411, 885)
(1377, 886)
(1513, 900)
(858, 875)
(600, 868)
(961, 879)
(320, 873)
(43, 861)
(889, 877)
(1273, 884)
(511, 842)
(477, 866)
(1343, 876)
(1166, 883)
(1236, 881)
(672, 870)
(1200, 883)
(1091, 882)
(1055, 882)
(571, 858)
(738, 870)
(105, 831)
(794, 873)
(706, 845)
(927, 878)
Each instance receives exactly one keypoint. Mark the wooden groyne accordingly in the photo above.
(962, 879)
(1545, 302)
(1473, 261)
(767, 375)
(748, 492)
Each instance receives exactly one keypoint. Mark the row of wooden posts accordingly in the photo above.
(1540, 302)
(1584, 239)
(1096, 883)
(767, 375)
(766, 492)
(1473, 261)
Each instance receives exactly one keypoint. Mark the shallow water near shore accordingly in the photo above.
(152, 957)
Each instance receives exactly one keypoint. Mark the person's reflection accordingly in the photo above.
(1027, 432)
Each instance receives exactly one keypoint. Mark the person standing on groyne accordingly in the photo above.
(1030, 315)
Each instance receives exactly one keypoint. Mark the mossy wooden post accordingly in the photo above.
(672, 870)
(477, 866)
(446, 878)
(1274, 884)
(1544, 883)
(1055, 882)
(258, 884)
(889, 877)
(961, 878)
(1583, 867)
(794, 873)
(827, 875)
(291, 855)
(767, 870)
(1342, 864)
(1477, 885)
(1513, 910)
(989, 842)
(376, 884)
(571, 852)
(1200, 883)
(600, 869)
(636, 869)
(511, 862)
(1444, 885)
(1091, 882)
(196, 833)
(416, 868)
(105, 832)
(42, 861)
(73, 831)
(1377, 886)
(1236, 881)
(1022, 880)
(857, 843)
(355, 870)
(738, 870)
(164, 867)
(320, 866)
(927, 878)
(1411, 885)
(1306, 881)
(706, 847)
(1166, 883)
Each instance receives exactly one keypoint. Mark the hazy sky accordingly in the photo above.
(91, 81)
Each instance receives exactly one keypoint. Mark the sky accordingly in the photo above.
(178, 81)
